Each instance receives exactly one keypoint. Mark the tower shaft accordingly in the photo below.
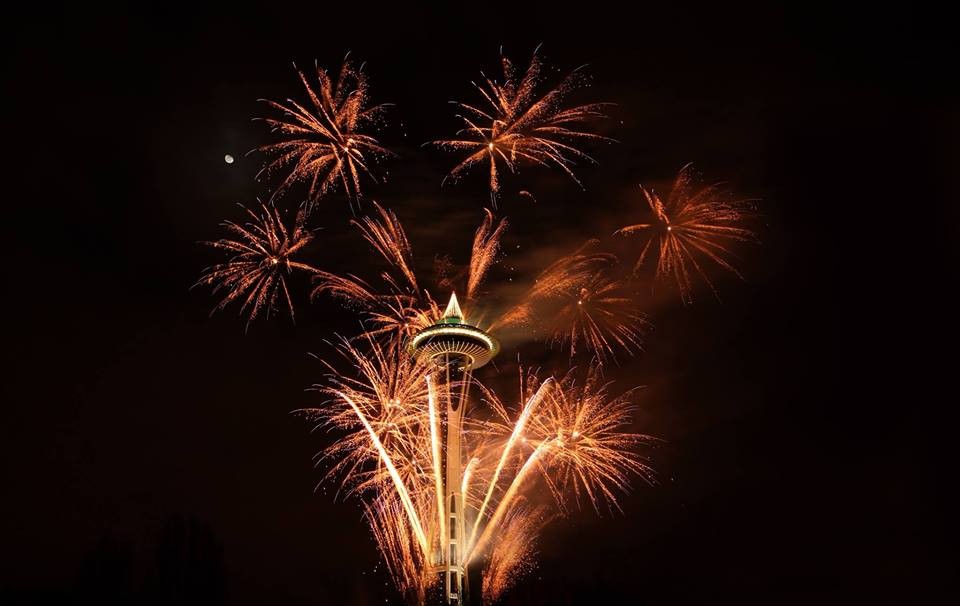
(454, 576)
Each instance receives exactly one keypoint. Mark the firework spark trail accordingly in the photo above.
(404, 307)
(391, 391)
(403, 316)
(392, 445)
(505, 455)
(505, 503)
(590, 452)
(486, 244)
(404, 495)
(385, 450)
(435, 451)
(387, 236)
(694, 222)
(349, 289)
(397, 315)
(387, 407)
(564, 275)
(518, 124)
(404, 561)
(391, 416)
(326, 146)
(263, 252)
(579, 447)
(468, 475)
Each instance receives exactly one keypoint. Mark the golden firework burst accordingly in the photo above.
(518, 122)
(696, 224)
(263, 256)
(326, 144)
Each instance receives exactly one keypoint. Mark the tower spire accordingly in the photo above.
(453, 314)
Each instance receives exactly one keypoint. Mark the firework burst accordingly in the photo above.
(598, 317)
(263, 256)
(589, 454)
(516, 123)
(325, 145)
(578, 302)
(573, 434)
(694, 225)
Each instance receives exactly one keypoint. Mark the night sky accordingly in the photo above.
(150, 453)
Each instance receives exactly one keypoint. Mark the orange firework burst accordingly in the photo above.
(262, 259)
(694, 223)
(578, 300)
(589, 453)
(325, 146)
(599, 316)
(516, 123)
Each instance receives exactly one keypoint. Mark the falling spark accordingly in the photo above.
(263, 256)
(509, 560)
(517, 123)
(694, 224)
(325, 145)
(529, 195)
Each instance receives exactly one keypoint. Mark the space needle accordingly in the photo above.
(455, 348)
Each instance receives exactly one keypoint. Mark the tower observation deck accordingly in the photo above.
(452, 341)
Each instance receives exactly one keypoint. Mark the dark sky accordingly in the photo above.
(149, 451)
